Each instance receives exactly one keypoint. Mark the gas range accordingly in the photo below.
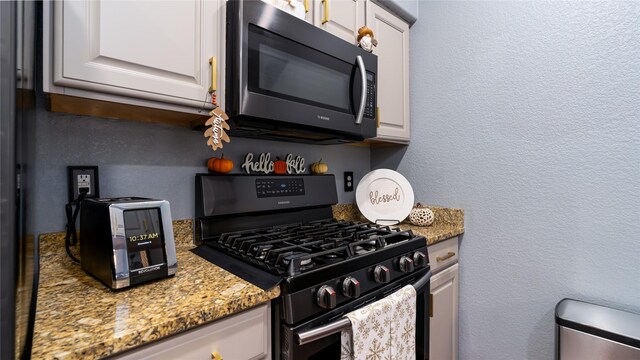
(283, 233)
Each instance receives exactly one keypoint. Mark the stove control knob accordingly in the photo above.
(381, 274)
(351, 287)
(326, 297)
(406, 264)
(419, 259)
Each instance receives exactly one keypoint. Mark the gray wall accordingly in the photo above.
(140, 159)
(527, 115)
(523, 113)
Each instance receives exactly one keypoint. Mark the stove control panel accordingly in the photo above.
(420, 259)
(381, 274)
(279, 187)
(406, 264)
(326, 297)
(351, 287)
(357, 282)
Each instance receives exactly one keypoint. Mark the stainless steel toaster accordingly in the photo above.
(127, 241)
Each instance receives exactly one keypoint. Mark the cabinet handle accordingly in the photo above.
(306, 6)
(216, 356)
(214, 74)
(443, 258)
(430, 305)
(326, 11)
(378, 116)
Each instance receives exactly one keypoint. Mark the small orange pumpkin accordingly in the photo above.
(280, 166)
(220, 165)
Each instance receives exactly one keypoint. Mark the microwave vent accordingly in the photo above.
(284, 134)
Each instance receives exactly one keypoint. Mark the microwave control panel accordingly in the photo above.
(279, 187)
(370, 108)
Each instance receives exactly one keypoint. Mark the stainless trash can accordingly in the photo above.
(586, 331)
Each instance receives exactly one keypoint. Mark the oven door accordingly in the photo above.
(286, 71)
(320, 338)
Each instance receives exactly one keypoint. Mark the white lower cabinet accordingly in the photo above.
(443, 324)
(246, 335)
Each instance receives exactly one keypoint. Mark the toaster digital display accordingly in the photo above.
(143, 232)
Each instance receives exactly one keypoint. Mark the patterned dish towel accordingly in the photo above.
(383, 330)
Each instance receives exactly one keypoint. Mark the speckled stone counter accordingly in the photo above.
(448, 222)
(78, 317)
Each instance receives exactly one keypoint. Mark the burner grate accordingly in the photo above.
(294, 248)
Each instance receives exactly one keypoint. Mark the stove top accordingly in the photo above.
(290, 239)
(293, 249)
(324, 267)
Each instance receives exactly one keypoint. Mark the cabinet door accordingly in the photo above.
(443, 326)
(308, 10)
(156, 50)
(246, 335)
(341, 18)
(392, 34)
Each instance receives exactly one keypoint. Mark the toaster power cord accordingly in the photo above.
(71, 238)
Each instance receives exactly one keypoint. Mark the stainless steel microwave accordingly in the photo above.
(287, 79)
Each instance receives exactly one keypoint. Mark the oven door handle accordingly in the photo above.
(363, 96)
(344, 323)
(420, 283)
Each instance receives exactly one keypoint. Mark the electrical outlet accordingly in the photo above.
(348, 181)
(84, 182)
(82, 178)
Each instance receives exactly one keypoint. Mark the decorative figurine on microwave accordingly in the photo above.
(366, 39)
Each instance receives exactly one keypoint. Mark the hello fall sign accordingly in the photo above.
(264, 164)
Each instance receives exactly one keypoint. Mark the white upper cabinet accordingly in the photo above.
(392, 34)
(308, 10)
(156, 54)
(341, 18)
(151, 50)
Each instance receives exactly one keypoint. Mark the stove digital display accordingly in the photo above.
(143, 231)
(279, 187)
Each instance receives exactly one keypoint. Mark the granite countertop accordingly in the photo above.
(448, 222)
(78, 317)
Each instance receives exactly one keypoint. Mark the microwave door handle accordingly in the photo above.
(363, 96)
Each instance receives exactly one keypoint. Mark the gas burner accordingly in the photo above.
(260, 251)
(329, 258)
(359, 250)
(371, 242)
(294, 264)
(294, 255)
